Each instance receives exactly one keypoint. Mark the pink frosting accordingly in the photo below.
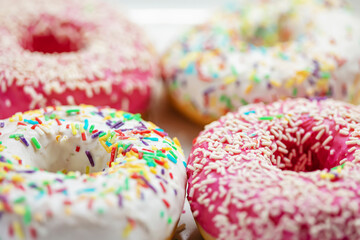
(65, 52)
(287, 170)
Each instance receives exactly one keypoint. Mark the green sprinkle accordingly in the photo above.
(266, 118)
(35, 142)
(126, 183)
(72, 111)
(46, 117)
(244, 102)
(325, 75)
(162, 214)
(53, 116)
(233, 70)
(279, 116)
(101, 210)
(173, 154)
(337, 167)
(256, 79)
(27, 215)
(16, 136)
(102, 134)
(77, 126)
(91, 128)
(112, 115)
(295, 92)
(169, 220)
(119, 190)
(20, 200)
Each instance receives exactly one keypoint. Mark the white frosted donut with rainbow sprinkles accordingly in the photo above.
(81, 172)
(260, 51)
(287, 170)
(64, 52)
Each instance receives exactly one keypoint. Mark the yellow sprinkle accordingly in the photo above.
(176, 141)
(87, 170)
(18, 230)
(17, 178)
(191, 57)
(168, 148)
(105, 146)
(19, 209)
(153, 170)
(275, 83)
(105, 136)
(6, 189)
(2, 147)
(73, 129)
(57, 138)
(290, 83)
(166, 165)
(68, 210)
(154, 148)
(38, 217)
(301, 76)
(229, 80)
(82, 128)
(107, 117)
(127, 230)
(249, 89)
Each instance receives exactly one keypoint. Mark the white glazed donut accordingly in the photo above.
(56, 183)
(261, 51)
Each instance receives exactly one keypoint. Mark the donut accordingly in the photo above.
(66, 52)
(262, 51)
(286, 170)
(84, 172)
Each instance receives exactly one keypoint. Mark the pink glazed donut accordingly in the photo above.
(71, 52)
(287, 170)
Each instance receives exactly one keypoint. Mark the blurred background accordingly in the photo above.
(164, 21)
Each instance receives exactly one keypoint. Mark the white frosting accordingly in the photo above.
(136, 198)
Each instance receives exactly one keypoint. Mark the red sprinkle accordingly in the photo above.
(171, 176)
(90, 203)
(34, 126)
(83, 136)
(159, 133)
(67, 202)
(67, 126)
(21, 123)
(162, 186)
(58, 121)
(77, 148)
(49, 189)
(38, 119)
(112, 157)
(167, 204)
(33, 233)
(159, 162)
(11, 230)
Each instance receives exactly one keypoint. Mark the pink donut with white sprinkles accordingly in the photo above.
(287, 170)
(70, 52)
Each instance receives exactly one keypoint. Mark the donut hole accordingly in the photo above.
(66, 153)
(51, 35)
(310, 150)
